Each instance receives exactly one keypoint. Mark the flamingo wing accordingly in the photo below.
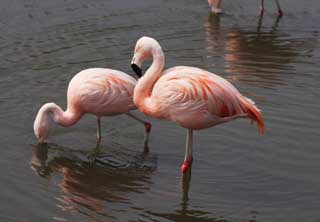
(193, 94)
(102, 91)
(197, 89)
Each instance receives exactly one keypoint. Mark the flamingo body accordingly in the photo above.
(101, 92)
(97, 91)
(193, 98)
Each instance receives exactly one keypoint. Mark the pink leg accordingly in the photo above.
(280, 13)
(218, 3)
(147, 125)
(188, 154)
(187, 164)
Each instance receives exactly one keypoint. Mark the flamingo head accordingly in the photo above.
(41, 126)
(145, 48)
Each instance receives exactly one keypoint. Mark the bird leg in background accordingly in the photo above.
(147, 126)
(215, 6)
(98, 131)
(261, 8)
(188, 154)
(280, 13)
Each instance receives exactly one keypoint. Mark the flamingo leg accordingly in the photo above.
(280, 12)
(147, 125)
(98, 130)
(92, 156)
(188, 154)
(215, 6)
(218, 4)
(261, 8)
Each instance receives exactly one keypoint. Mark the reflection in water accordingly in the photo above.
(184, 211)
(89, 185)
(214, 37)
(256, 57)
(190, 215)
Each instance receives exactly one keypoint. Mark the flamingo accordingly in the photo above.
(193, 98)
(97, 91)
(215, 7)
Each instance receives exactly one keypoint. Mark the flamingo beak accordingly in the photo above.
(136, 64)
(137, 70)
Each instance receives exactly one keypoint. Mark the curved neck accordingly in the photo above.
(145, 85)
(67, 118)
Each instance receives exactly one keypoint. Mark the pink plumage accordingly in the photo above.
(97, 91)
(193, 98)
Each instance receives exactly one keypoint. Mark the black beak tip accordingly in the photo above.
(137, 70)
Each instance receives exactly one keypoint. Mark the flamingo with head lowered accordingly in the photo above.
(97, 91)
(193, 98)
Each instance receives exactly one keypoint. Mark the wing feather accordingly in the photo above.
(98, 90)
(196, 89)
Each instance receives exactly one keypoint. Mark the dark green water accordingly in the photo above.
(237, 175)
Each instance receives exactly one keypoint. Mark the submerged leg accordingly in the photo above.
(98, 130)
(188, 154)
(280, 13)
(92, 156)
(186, 178)
(147, 125)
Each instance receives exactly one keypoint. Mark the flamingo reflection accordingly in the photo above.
(185, 211)
(257, 57)
(92, 184)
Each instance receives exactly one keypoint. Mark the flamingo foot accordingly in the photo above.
(280, 13)
(147, 127)
(186, 164)
(216, 11)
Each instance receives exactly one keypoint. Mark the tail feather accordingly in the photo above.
(253, 113)
(250, 100)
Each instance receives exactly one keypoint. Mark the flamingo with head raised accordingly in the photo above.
(193, 98)
(97, 91)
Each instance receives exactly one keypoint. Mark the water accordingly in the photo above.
(237, 175)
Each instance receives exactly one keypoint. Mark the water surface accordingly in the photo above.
(237, 175)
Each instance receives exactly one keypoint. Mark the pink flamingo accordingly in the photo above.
(215, 7)
(98, 91)
(193, 98)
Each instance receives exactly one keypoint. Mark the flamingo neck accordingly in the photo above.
(143, 89)
(63, 118)
(41, 123)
